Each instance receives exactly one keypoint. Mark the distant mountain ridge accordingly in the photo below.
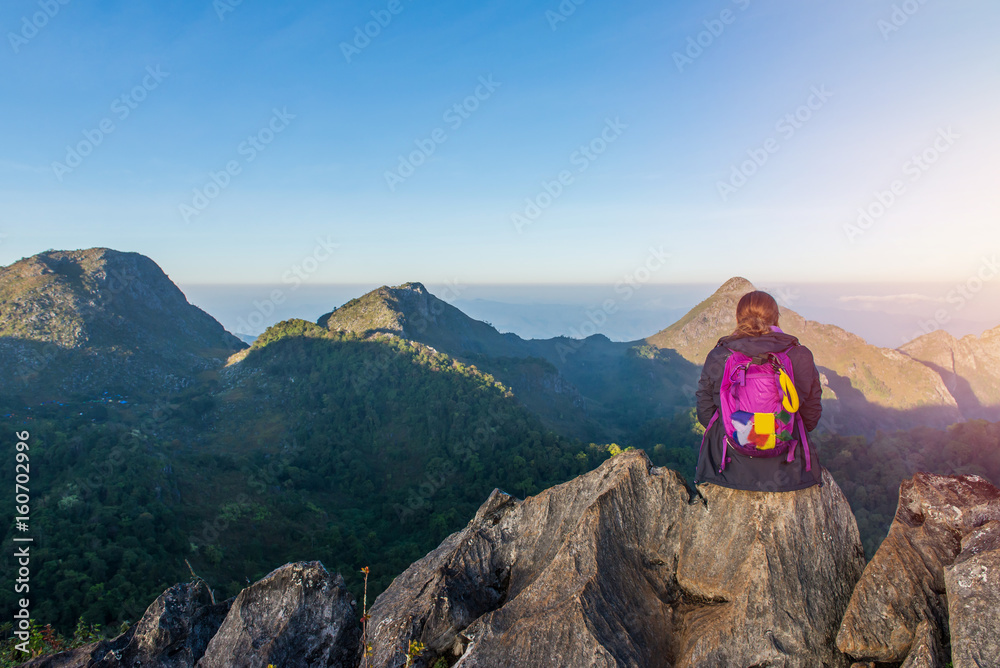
(866, 387)
(969, 368)
(590, 388)
(98, 319)
(410, 311)
(109, 320)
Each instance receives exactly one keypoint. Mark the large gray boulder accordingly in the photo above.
(770, 575)
(298, 615)
(173, 633)
(621, 567)
(899, 610)
(973, 586)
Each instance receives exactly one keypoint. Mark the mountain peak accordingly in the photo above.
(385, 309)
(410, 311)
(107, 319)
(696, 333)
(736, 284)
(413, 287)
(69, 264)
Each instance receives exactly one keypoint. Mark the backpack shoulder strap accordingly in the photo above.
(785, 361)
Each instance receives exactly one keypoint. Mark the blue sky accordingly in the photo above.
(184, 86)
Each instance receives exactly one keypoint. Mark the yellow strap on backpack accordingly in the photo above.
(790, 398)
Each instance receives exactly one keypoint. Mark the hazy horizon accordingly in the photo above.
(887, 314)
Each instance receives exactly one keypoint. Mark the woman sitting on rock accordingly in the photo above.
(758, 396)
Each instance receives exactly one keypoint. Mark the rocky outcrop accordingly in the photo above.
(626, 566)
(621, 567)
(299, 615)
(173, 633)
(973, 587)
(771, 574)
(900, 610)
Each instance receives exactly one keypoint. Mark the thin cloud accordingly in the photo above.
(21, 167)
(910, 298)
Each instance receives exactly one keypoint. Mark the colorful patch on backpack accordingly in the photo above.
(756, 429)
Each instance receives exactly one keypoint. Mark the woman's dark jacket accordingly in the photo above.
(773, 474)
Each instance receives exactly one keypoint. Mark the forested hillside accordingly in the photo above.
(869, 470)
(316, 445)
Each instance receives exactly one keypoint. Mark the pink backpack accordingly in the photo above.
(759, 408)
